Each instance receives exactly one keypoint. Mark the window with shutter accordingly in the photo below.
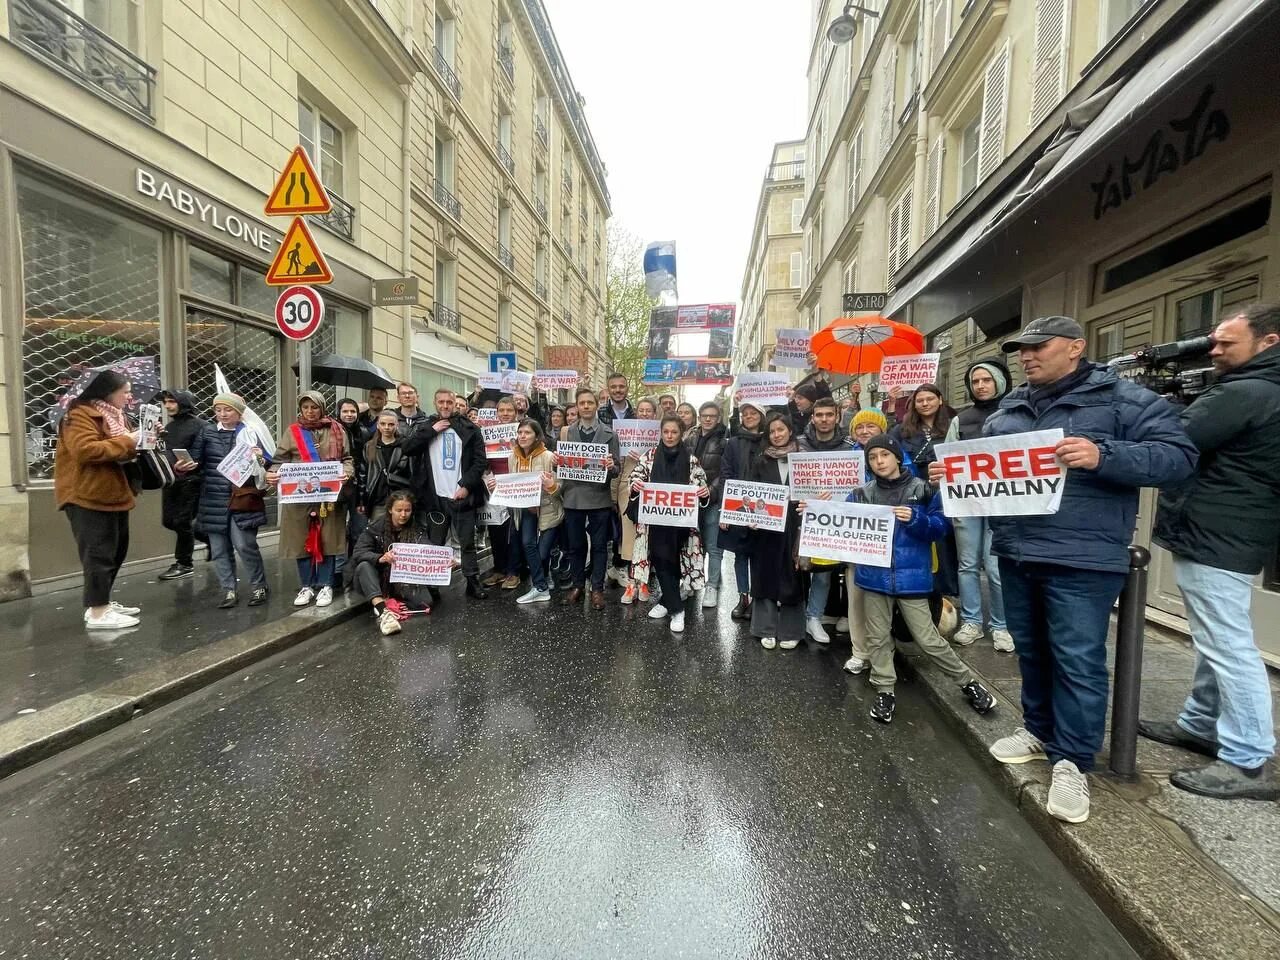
(855, 168)
(888, 78)
(851, 274)
(797, 214)
(899, 234)
(941, 37)
(797, 266)
(1049, 65)
(933, 184)
(995, 112)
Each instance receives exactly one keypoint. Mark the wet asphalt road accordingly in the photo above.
(500, 781)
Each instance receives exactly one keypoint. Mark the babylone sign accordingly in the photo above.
(299, 311)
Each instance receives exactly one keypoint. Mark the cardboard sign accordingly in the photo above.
(835, 471)
(492, 515)
(499, 440)
(517, 490)
(516, 383)
(555, 379)
(238, 465)
(1017, 475)
(907, 373)
(582, 461)
(567, 357)
(762, 389)
(760, 505)
(319, 482)
(848, 533)
(486, 416)
(669, 505)
(636, 437)
(792, 348)
(149, 415)
(421, 563)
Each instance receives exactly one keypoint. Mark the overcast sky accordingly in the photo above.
(685, 99)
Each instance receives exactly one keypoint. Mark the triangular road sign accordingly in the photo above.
(298, 190)
(299, 259)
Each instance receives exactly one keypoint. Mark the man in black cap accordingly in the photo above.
(1061, 573)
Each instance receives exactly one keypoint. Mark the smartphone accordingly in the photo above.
(181, 456)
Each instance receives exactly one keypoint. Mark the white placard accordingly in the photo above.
(421, 563)
(486, 416)
(636, 437)
(760, 505)
(489, 381)
(238, 465)
(762, 389)
(499, 440)
(516, 383)
(792, 348)
(149, 415)
(836, 472)
(669, 505)
(1017, 475)
(907, 373)
(492, 515)
(555, 379)
(318, 482)
(582, 461)
(517, 490)
(848, 532)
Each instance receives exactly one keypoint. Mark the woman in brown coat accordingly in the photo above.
(313, 533)
(92, 487)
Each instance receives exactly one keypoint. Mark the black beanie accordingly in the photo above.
(884, 441)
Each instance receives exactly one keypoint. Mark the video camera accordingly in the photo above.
(1180, 370)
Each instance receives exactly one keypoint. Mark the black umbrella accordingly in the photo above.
(340, 371)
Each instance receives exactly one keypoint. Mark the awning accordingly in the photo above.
(1087, 127)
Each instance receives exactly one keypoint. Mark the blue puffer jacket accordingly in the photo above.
(1142, 444)
(912, 572)
(215, 491)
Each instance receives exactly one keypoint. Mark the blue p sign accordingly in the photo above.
(502, 362)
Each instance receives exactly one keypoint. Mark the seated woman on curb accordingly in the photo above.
(372, 558)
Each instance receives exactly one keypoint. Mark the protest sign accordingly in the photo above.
(486, 416)
(421, 563)
(907, 373)
(499, 440)
(848, 533)
(567, 358)
(516, 383)
(489, 381)
(149, 425)
(636, 437)
(1017, 475)
(555, 379)
(669, 505)
(318, 482)
(238, 465)
(759, 505)
(762, 389)
(693, 315)
(582, 461)
(832, 471)
(492, 515)
(517, 490)
(792, 349)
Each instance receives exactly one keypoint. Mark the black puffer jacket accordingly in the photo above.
(741, 449)
(709, 450)
(1228, 514)
(181, 431)
(215, 491)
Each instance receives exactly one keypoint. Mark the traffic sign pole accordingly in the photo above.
(304, 365)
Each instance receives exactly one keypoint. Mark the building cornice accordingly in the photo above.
(380, 39)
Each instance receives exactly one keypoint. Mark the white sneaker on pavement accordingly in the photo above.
(842, 624)
(1019, 747)
(119, 608)
(1002, 640)
(856, 666)
(813, 627)
(830, 621)
(710, 597)
(534, 596)
(967, 634)
(788, 644)
(111, 620)
(617, 574)
(677, 622)
(388, 623)
(1069, 793)
(657, 612)
(324, 597)
(305, 596)
(768, 642)
(629, 594)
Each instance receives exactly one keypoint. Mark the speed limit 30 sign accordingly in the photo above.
(299, 312)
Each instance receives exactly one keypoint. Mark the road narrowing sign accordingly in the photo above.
(298, 190)
(299, 259)
(299, 312)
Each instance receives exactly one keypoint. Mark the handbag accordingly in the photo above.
(156, 469)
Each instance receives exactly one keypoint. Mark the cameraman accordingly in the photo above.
(1221, 526)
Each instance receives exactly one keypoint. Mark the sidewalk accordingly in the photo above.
(1183, 876)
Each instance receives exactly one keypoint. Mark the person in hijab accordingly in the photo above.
(779, 588)
(314, 534)
(675, 553)
(353, 492)
(745, 438)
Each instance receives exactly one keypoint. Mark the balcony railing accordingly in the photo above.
(791, 170)
(78, 48)
(507, 258)
(447, 317)
(504, 157)
(503, 343)
(540, 289)
(507, 60)
(540, 208)
(452, 205)
(540, 129)
(341, 220)
(566, 182)
(447, 74)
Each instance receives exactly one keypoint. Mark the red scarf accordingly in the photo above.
(310, 453)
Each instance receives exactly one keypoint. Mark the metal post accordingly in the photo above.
(1128, 674)
(304, 365)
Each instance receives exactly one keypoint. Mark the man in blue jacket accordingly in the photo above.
(1062, 573)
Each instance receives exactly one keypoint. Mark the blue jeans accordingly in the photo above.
(819, 590)
(973, 544)
(315, 575)
(1059, 618)
(1230, 697)
(579, 525)
(537, 549)
(222, 543)
(742, 572)
(709, 521)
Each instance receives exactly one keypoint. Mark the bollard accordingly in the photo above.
(1128, 680)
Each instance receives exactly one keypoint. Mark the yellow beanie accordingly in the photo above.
(869, 416)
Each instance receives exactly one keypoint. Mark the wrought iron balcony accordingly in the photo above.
(791, 170)
(540, 129)
(76, 47)
(540, 289)
(502, 343)
(507, 258)
(341, 220)
(504, 157)
(447, 317)
(566, 182)
(447, 74)
(507, 60)
(540, 208)
(452, 205)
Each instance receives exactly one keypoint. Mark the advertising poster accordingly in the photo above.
(792, 348)
(636, 437)
(721, 314)
(760, 505)
(669, 505)
(659, 343)
(907, 373)
(848, 533)
(499, 440)
(834, 471)
(693, 315)
(720, 342)
(319, 482)
(238, 465)
(421, 563)
(662, 318)
(763, 389)
(555, 379)
(1017, 475)
(518, 490)
(582, 461)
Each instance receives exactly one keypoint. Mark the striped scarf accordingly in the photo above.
(114, 417)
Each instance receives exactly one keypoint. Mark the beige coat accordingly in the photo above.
(550, 510)
(295, 517)
(622, 496)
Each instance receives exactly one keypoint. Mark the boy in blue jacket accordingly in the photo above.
(908, 582)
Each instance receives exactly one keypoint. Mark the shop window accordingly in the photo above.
(91, 289)
(428, 380)
(1109, 342)
(253, 292)
(1198, 315)
(212, 276)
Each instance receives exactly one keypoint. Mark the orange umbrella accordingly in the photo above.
(854, 345)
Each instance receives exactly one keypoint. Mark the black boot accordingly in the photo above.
(743, 610)
(475, 591)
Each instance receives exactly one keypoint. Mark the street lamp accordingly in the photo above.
(845, 27)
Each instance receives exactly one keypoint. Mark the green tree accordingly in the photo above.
(626, 306)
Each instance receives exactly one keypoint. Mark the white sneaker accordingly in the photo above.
(534, 596)
(855, 666)
(828, 621)
(710, 597)
(324, 597)
(628, 594)
(119, 608)
(1019, 747)
(842, 625)
(1069, 793)
(967, 634)
(388, 623)
(111, 620)
(677, 623)
(813, 627)
(617, 574)
(788, 644)
(1003, 640)
(657, 612)
(768, 642)
(305, 596)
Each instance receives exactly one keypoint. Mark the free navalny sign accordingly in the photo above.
(1017, 475)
